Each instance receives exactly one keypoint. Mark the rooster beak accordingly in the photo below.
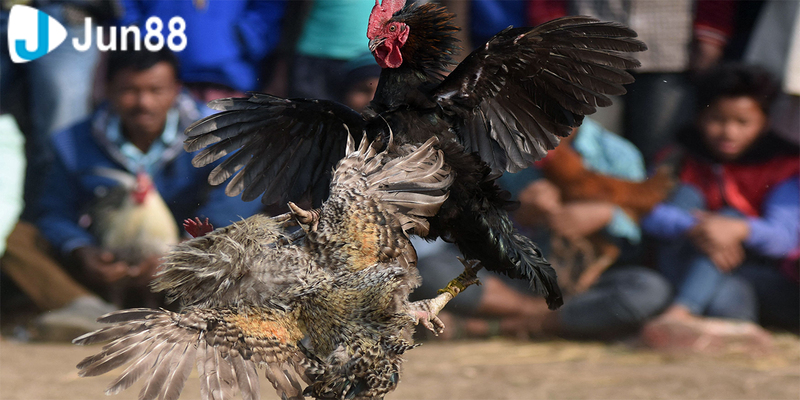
(374, 43)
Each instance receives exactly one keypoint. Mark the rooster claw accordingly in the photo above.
(305, 217)
(429, 320)
(197, 228)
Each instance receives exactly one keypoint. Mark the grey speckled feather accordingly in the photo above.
(251, 291)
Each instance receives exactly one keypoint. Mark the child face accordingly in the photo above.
(730, 125)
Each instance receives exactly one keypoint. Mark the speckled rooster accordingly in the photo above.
(250, 292)
(499, 110)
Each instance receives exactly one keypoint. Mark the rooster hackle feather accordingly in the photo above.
(250, 292)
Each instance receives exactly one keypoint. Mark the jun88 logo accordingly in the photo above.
(32, 34)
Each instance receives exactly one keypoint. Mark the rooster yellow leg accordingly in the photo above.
(426, 311)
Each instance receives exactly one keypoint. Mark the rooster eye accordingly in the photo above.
(392, 28)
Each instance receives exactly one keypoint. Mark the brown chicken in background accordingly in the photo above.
(250, 292)
(579, 262)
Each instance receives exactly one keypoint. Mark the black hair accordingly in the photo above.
(138, 60)
(737, 80)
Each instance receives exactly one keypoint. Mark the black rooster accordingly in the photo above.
(499, 110)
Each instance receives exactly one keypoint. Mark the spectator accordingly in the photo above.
(226, 41)
(334, 32)
(360, 81)
(607, 305)
(140, 129)
(733, 221)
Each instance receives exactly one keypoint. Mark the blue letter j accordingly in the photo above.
(43, 39)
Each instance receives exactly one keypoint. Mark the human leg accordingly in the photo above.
(734, 298)
(70, 309)
(28, 263)
(619, 303)
(778, 297)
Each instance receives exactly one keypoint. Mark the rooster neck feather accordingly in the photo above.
(431, 42)
(427, 56)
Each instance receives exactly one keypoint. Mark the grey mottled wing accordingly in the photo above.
(227, 345)
(251, 261)
(528, 86)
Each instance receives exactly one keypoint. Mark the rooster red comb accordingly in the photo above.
(381, 13)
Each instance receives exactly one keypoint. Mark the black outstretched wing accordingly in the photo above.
(284, 148)
(528, 86)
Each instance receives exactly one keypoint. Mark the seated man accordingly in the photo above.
(121, 167)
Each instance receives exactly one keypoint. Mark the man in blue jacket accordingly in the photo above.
(139, 130)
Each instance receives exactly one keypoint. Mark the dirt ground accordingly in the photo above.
(491, 369)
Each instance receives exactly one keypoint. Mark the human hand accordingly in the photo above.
(144, 272)
(726, 259)
(100, 265)
(581, 218)
(538, 200)
(717, 231)
(720, 238)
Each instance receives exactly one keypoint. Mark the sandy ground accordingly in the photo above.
(492, 369)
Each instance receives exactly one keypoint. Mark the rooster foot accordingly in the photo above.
(305, 217)
(197, 228)
(426, 311)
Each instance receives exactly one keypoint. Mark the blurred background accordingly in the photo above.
(672, 216)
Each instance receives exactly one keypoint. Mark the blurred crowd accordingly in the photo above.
(672, 217)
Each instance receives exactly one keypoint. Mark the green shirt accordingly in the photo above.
(336, 29)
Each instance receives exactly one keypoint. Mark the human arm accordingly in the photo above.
(59, 205)
(100, 265)
(775, 233)
(538, 200)
(674, 218)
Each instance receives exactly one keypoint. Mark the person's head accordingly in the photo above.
(360, 81)
(141, 87)
(734, 103)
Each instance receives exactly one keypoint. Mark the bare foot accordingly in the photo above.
(678, 330)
